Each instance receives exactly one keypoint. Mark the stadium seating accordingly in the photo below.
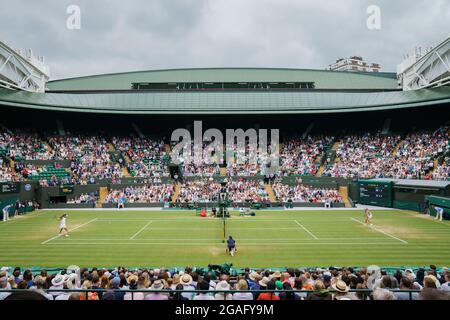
(48, 172)
(302, 193)
(158, 193)
(206, 190)
(417, 155)
(332, 283)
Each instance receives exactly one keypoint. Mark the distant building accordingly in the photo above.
(354, 63)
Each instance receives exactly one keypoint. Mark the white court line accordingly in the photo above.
(309, 232)
(59, 235)
(233, 219)
(379, 230)
(233, 228)
(240, 220)
(219, 243)
(209, 239)
(142, 229)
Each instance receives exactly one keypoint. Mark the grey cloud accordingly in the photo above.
(141, 34)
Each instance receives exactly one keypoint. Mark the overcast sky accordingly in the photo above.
(118, 36)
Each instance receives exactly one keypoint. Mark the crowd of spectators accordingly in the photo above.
(365, 283)
(84, 198)
(244, 190)
(6, 174)
(147, 156)
(158, 193)
(304, 193)
(253, 160)
(417, 155)
(388, 156)
(191, 170)
(89, 156)
(363, 156)
(242, 170)
(199, 190)
(207, 190)
(301, 156)
(22, 145)
(442, 171)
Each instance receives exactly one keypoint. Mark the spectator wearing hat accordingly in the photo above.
(158, 286)
(142, 284)
(203, 285)
(57, 284)
(269, 295)
(242, 285)
(341, 291)
(221, 287)
(70, 282)
(262, 286)
(276, 275)
(186, 281)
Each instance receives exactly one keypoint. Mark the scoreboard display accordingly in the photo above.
(9, 187)
(376, 193)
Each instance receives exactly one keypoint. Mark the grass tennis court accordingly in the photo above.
(178, 238)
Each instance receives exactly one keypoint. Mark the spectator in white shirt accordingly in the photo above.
(242, 285)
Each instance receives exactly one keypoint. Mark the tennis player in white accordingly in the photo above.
(368, 216)
(62, 225)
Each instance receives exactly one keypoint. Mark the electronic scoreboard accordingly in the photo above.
(377, 193)
(9, 187)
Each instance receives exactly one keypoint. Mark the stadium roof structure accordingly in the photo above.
(323, 79)
(333, 92)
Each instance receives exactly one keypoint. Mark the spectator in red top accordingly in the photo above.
(269, 295)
